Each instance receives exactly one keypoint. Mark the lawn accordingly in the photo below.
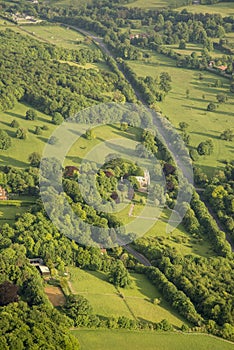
(224, 8)
(133, 340)
(17, 154)
(202, 124)
(107, 301)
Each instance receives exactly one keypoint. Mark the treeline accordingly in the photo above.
(209, 227)
(220, 195)
(206, 284)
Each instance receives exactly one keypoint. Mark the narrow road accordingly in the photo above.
(141, 258)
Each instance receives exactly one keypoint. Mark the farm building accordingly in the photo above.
(3, 194)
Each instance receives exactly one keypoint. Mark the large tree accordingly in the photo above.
(5, 140)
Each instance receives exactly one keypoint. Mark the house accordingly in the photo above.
(42, 268)
(144, 181)
(3, 194)
(222, 68)
(70, 171)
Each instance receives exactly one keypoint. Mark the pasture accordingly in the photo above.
(106, 300)
(132, 340)
(203, 125)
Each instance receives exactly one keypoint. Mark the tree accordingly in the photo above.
(205, 148)
(194, 154)
(57, 118)
(34, 159)
(76, 306)
(31, 114)
(183, 126)
(89, 134)
(119, 275)
(165, 80)
(21, 133)
(227, 135)
(8, 293)
(5, 140)
(211, 107)
(38, 130)
(53, 140)
(182, 45)
(14, 124)
(221, 98)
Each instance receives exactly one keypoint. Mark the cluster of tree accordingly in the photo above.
(199, 288)
(5, 140)
(169, 28)
(27, 318)
(19, 181)
(208, 227)
(219, 193)
(58, 89)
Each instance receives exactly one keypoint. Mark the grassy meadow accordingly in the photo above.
(133, 340)
(136, 304)
(17, 154)
(12, 207)
(203, 125)
(155, 4)
(193, 48)
(223, 8)
(60, 36)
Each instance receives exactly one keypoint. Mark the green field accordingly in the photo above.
(17, 154)
(179, 239)
(18, 205)
(155, 4)
(106, 300)
(126, 340)
(224, 8)
(193, 48)
(58, 35)
(202, 124)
